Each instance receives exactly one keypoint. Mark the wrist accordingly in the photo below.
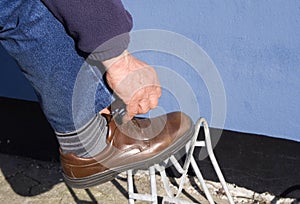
(110, 62)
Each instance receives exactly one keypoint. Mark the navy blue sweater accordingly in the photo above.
(92, 23)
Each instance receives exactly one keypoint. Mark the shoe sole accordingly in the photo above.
(110, 174)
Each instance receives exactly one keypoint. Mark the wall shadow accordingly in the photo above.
(256, 162)
(25, 133)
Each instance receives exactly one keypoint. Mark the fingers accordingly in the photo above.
(144, 100)
(105, 111)
(141, 107)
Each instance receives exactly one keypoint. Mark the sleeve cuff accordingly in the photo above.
(111, 48)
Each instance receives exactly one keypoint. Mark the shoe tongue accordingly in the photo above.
(115, 124)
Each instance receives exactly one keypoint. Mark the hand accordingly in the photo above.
(134, 81)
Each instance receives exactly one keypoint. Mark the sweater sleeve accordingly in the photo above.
(100, 27)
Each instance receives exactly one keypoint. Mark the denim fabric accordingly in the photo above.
(48, 59)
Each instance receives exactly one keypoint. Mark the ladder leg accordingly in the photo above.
(138, 196)
(130, 187)
(214, 160)
(202, 182)
(153, 184)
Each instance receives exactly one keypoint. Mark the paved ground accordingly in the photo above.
(257, 162)
(24, 180)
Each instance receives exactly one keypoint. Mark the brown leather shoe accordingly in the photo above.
(137, 144)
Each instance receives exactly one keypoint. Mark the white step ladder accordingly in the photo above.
(190, 161)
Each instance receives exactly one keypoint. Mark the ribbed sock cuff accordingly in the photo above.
(86, 141)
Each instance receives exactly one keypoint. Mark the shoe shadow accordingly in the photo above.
(80, 201)
(28, 148)
(28, 177)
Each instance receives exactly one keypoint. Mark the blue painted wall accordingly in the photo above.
(254, 44)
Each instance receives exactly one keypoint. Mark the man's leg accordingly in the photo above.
(47, 57)
(66, 91)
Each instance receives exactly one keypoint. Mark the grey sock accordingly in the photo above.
(87, 141)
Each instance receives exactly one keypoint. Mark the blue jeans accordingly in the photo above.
(70, 90)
